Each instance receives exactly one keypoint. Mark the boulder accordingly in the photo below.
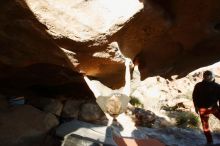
(144, 117)
(92, 113)
(25, 125)
(49, 105)
(71, 108)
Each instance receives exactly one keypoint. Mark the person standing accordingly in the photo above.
(206, 95)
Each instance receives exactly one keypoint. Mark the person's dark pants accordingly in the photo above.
(204, 115)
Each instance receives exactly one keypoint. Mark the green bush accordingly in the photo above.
(187, 120)
(136, 102)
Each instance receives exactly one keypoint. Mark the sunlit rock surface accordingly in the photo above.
(84, 20)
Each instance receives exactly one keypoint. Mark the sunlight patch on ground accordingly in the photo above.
(127, 124)
(94, 89)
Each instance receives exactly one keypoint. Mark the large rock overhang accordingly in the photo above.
(86, 37)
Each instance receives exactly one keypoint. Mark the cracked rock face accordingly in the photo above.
(65, 38)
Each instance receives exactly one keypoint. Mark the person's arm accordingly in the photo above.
(218, 94)
(195, 98)
(127, 87)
